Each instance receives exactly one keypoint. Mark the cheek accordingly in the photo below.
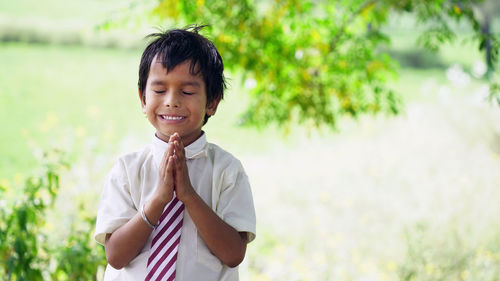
(149, 108)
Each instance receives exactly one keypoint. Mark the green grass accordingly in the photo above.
(48, 92)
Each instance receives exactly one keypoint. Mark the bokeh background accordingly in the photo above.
(406, 194)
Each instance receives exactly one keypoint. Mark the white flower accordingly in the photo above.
(299, 54)
(478, 69)
(250, 83)
(457, 76)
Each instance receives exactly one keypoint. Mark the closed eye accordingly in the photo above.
(159, 92)
(188, 93)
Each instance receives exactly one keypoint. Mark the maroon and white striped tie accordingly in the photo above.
(165, 243)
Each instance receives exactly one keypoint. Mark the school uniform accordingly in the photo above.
(216, 175)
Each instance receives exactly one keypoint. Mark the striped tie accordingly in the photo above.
(165, 243)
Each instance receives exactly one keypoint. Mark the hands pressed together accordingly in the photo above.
(173, 173)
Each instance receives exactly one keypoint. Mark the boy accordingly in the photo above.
(181, 207)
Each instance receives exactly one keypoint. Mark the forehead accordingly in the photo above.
(159, 66)
(180, 75)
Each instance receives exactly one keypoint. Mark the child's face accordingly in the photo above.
(176, 102)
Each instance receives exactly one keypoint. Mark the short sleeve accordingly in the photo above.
(116, 206)
(235, 204)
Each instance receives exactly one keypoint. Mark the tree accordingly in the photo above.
(311, 61)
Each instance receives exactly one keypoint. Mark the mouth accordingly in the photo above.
(171, 118)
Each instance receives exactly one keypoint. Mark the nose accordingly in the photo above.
(171, 99)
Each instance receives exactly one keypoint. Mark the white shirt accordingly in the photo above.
(216, 175)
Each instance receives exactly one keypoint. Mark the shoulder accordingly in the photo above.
(222, 158)
(227, 169)
(133, 160)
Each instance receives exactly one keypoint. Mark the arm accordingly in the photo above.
(125, 243)
(222, 239)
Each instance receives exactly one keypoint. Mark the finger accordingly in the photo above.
(182, 153)
(181, 144)
(170, 166)
(171, 149)
(174, 171)
(176, 161)
(182, 176)
(174, 137)
(163, 165)
(169, 172)
(166, 154)
(178, 167)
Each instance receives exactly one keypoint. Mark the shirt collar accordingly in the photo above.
(197, 149)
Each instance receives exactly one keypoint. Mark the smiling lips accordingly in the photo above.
(172, 118)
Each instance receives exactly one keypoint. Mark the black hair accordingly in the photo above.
(176, 46)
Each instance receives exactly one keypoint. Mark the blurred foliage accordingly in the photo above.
(417, 58)
(448, 255)
(438, 18)
(25, 252)
(314, 61)
(78, 258)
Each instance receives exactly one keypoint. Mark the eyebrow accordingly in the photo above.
(191, 83)
(184, 83)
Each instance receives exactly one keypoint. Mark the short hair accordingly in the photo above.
(176, 46)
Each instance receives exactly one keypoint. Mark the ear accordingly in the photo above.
(143, 104)
(212, 107)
